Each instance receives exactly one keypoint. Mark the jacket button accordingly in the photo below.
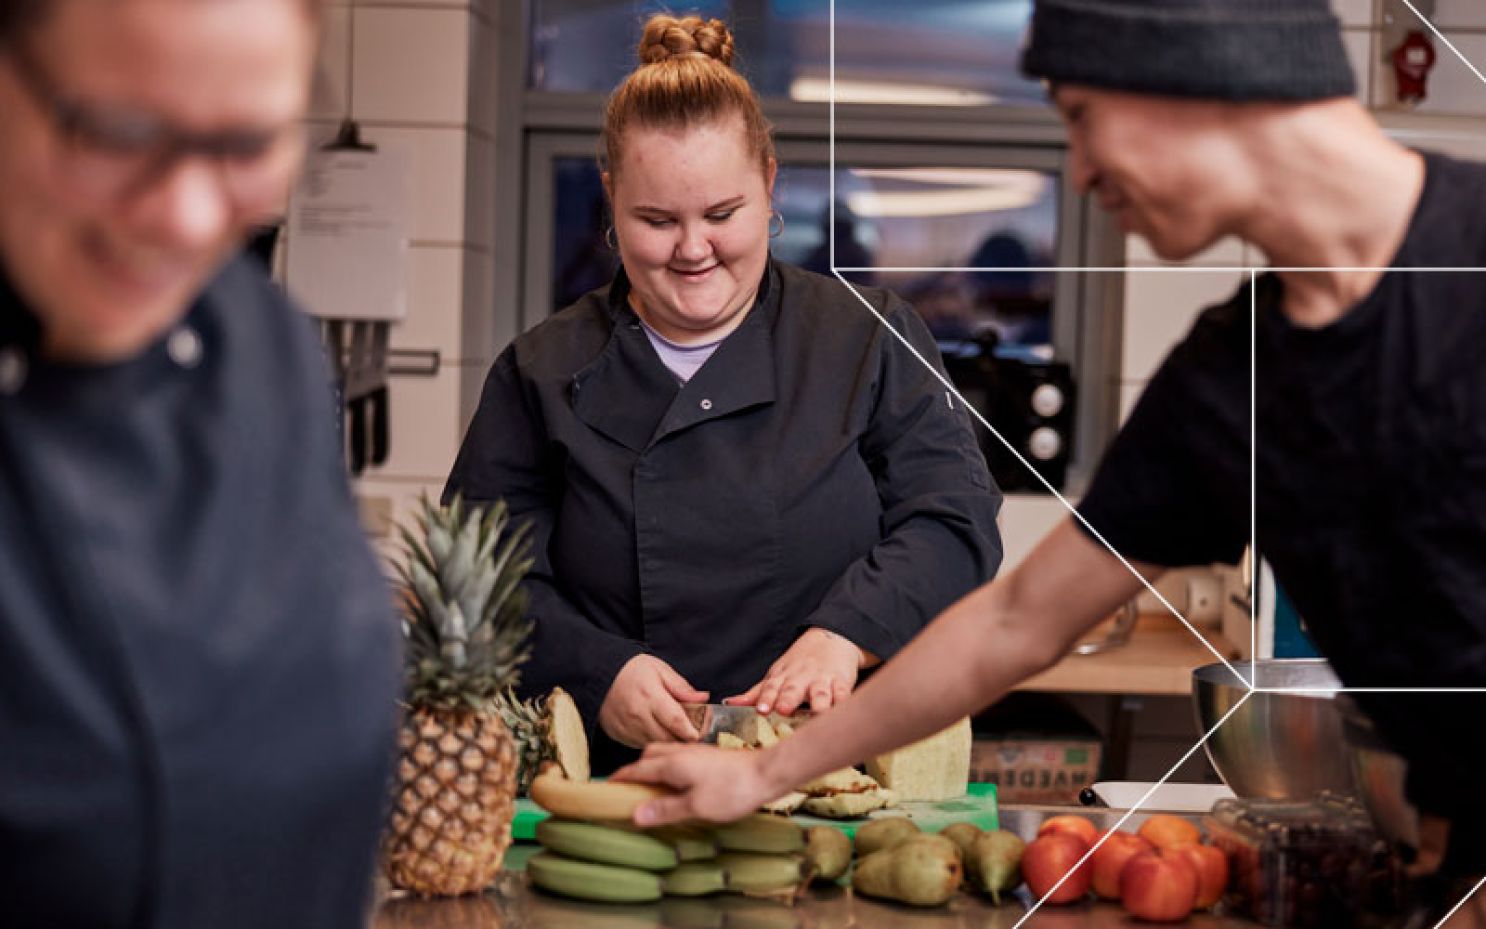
(12, 370)
(706, 404)
(184, 347)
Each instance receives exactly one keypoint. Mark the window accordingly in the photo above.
(948, 52)
(920, 217)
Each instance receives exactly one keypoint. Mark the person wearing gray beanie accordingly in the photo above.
(1339, 396)
(1239, 50)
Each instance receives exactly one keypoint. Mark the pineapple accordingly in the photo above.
(549, 730)
(467, 636)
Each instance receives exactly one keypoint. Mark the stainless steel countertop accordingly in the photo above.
(511, 904)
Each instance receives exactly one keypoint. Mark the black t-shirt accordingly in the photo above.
(1369, 477)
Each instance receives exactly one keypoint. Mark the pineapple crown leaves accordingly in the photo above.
(465, 620)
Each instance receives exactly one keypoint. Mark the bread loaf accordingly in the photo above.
(937, 768)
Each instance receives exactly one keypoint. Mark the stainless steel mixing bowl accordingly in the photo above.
(1277, 745)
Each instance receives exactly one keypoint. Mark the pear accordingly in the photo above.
(994, 862)
(828, 850)
(962, 834)
(921, 872)
(884, 833)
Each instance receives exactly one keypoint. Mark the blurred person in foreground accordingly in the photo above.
(742, 485)
(198, 659)
(1192, 121)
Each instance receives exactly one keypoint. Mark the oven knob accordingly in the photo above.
(1047, 401)
(1045, 443)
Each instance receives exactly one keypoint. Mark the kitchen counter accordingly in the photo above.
(511, 904)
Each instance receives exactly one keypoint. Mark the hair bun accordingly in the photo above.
(669, 37)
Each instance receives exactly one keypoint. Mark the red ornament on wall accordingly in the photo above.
(1412, 61)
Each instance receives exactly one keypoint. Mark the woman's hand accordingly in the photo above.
(644, 704)
(712, 784)
(821, 668)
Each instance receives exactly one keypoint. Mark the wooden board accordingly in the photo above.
(978, 806)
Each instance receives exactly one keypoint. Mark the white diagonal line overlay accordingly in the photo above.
(1050, 489)
(1134, 809)
(1252, 271)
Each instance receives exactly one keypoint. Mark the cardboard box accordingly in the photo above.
(1036, 749)
(1027, 769)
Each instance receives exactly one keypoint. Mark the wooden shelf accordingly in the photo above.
(1158, 659)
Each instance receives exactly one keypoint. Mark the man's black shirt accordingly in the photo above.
(1368, 478)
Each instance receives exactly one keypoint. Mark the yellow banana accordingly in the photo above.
(694, 879)
(590, 800)
(587, 880)
(592, 842)
(761, 832)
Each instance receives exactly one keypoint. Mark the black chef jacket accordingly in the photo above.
(811, 473)
(1371, 482)
(198, 664)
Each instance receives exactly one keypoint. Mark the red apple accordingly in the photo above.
(1048, 858)
(1076, 825)
(1212, 871)
(1163, 829)
(1160, 886)
(1110, 858)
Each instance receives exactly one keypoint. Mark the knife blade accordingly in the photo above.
(713, 719)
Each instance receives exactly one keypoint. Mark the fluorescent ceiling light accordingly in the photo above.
(818, 90)
(952, 192)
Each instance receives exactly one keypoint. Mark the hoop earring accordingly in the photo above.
(609, 239)
(774, 232)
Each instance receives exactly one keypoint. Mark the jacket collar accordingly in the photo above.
(627, 393)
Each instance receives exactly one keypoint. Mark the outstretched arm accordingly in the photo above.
(967, 658)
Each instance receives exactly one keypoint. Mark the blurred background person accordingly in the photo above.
(198, 659)
(742, 484)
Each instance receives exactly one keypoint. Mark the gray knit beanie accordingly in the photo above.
(1239, 50)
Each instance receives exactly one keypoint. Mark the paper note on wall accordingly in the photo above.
(348, 235)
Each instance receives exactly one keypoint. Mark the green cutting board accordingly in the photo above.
(978, 806)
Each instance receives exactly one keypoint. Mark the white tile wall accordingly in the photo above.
(1024, 520)
(438, 159)
(411, 65)
(479, 176)
(388, 503)
(435, 301)
(1227, 252)
(471, 382)
(1359, 47)
(1354, 12)
(1159, 309)
(483, 333)
(335, 66)
(1130, 392)
(1460, 14)
(483, 71)
(425, 426)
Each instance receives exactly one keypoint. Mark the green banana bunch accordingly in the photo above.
(690, 842)
(752, 872)
(587, 880)
(606, 844)
(694, 879)
(761, 832)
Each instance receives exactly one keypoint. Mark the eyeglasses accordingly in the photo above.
(111, 151)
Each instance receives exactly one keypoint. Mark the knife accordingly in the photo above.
(713, 719)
